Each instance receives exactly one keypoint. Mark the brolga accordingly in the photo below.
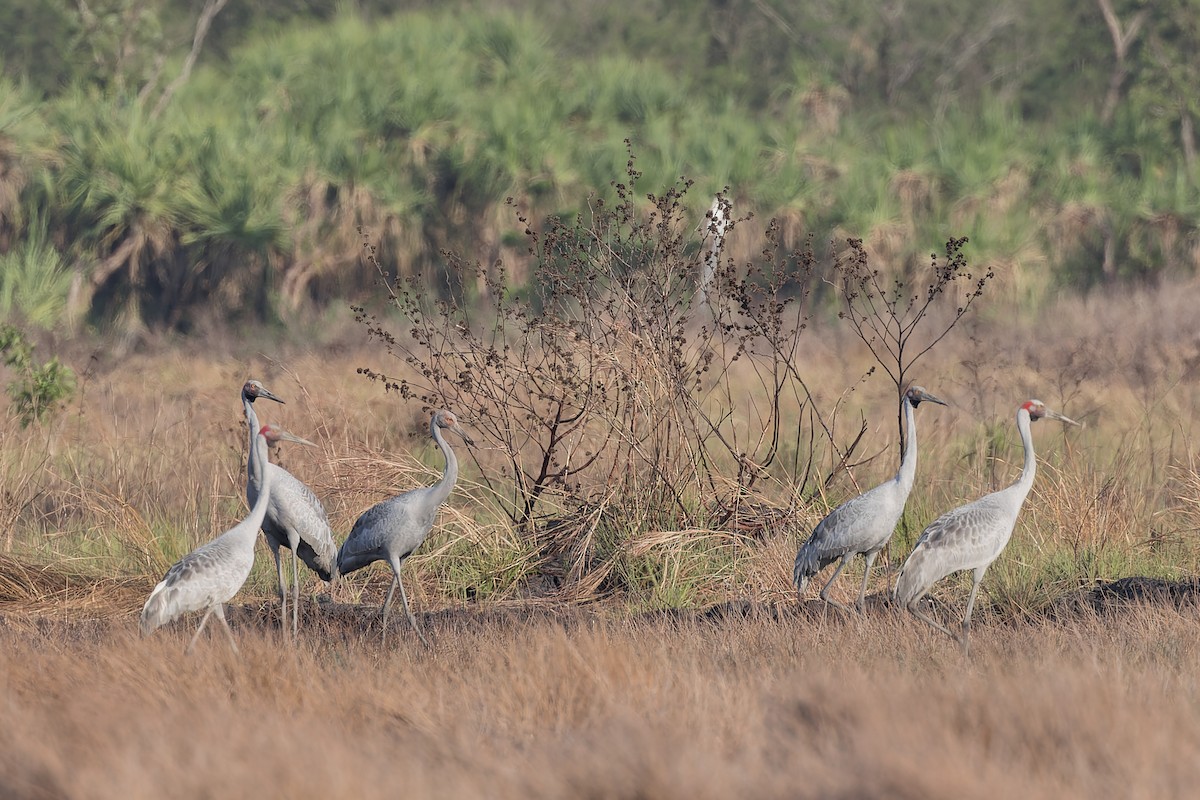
(392, 529)
(295, 517)
(209, 576)
(971, 536)
(863, 524)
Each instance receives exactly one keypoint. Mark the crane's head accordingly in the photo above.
(252, 390)
(275, 434)
(1037, 409)
(447, 421)
(917, 395)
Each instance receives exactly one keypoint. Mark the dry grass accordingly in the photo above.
(577, 703)
(564, 696)
(148, 463)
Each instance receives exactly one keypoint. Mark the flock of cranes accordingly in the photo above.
(290, 515)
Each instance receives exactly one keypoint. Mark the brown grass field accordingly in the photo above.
(706, 679)
(578, 703)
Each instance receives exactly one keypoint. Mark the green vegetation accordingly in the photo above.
(238, 180)
(38, 390)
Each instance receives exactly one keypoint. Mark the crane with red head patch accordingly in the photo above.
(971, 536)
(295, 518)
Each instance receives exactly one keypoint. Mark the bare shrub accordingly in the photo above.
(620, 395)
(895, 317)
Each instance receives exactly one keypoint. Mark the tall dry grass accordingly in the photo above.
(573, 703)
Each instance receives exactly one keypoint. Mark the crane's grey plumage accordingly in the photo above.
(863, 524)
(295, 517)
(209, 576)
(391, 530)
(971, 536)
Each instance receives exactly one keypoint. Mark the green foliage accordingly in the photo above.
(34, 280)
(840, 120)
(38, 389)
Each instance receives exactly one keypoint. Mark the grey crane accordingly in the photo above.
(971, 536)
(392, 529)
(863, 524)
(209, 576)
(295, 517)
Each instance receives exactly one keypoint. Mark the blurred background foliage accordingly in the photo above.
(164, 165)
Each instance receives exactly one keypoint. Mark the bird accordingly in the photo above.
(209, 576)
(392, 529)
(971, 536)
(295, 518)
(863, 524)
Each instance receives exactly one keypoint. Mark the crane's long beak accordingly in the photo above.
(284, 436)
(458, 429)
(265, 392)
(1062, 418)
(933, 398)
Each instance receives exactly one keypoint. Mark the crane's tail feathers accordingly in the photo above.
(913, 580)
(808, 564)
(155, 613)
(800, 579)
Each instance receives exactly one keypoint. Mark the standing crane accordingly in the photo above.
(295, 517)
(971, 536)
(209, 576)
(863, 524)
(392, 529)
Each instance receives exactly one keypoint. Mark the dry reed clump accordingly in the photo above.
(30, 590)
(601, 704)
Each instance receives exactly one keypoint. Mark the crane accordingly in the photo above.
(863, 524)
(295, 518)
(392, 529)
(971, 536)
(209, 576)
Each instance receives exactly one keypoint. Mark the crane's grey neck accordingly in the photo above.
(442, 489)
(258, 454)
(908, 463)
(1025, 482)
(254, 463)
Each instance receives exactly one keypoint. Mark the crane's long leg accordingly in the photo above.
(966, 623)
(220, 614)
(411, 619)
(295, 587)
(862, 592)
(196, 635)
(388, 600)
(915, 610)
(396, 562)
(282, 590)
(836, 572)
